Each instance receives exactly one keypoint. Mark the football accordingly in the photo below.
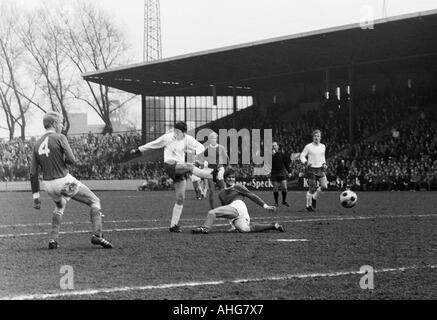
(348, 199)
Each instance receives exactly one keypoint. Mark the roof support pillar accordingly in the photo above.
(214, 96)
(326, 81)
(351, 76)
(185, 108)
(234, 104)
(143, 119)
(174, 110)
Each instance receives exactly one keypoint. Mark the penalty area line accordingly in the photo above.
(93, 292)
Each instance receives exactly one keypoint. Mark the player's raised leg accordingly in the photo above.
(184, 168)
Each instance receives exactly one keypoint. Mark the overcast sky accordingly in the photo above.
(197, 25)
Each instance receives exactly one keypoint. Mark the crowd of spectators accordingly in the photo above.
(15, 159)
(98, 158)
(403, 159)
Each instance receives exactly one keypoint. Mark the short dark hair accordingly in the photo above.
(229, 172)
(181, 126)
(50, 118)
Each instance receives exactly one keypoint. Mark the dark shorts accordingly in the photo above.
(315, 173)
(170, 169)
(278, 177)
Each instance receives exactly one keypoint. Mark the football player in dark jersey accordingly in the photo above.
(280, 172)
(234, 209)
(52, 154)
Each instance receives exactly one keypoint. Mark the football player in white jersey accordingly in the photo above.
(313, 156)
(177, 145)
(198, 187)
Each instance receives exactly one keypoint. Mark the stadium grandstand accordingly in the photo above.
(375, 103)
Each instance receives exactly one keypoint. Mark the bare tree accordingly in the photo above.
(94, 42)
(5, 104)
(11, 52)
(41, 35)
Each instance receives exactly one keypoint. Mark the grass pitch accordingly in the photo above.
(319, 257)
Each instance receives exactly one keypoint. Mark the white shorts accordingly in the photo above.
(54, 187)
(242, 223)
(195, 178)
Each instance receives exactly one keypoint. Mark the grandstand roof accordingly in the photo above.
(399, 38)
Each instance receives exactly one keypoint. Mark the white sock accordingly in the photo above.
(309, 199)
(318, 193)
(177, 211)
(205, 173)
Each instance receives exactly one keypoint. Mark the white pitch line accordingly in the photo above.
(88, 231)
(221, 225)
(297, 219)
(6, 226)
(92, 292)
(291, 240)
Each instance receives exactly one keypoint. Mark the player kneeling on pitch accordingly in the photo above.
(52, 154)
(234, 209)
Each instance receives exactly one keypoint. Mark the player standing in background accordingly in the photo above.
(234, 209)
(177, 145)
(52, 153)
(313, 156)
(280, 173)
(198, 188)
(218, 158)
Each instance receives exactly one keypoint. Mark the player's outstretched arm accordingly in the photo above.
(156, 144)
(244, 191)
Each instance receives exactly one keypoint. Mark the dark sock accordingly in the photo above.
(284, 196)
(262, 227)
(276, 195)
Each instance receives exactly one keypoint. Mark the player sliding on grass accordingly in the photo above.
(177, 145)
(52, 153)
(234, 209)
(316, 169)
